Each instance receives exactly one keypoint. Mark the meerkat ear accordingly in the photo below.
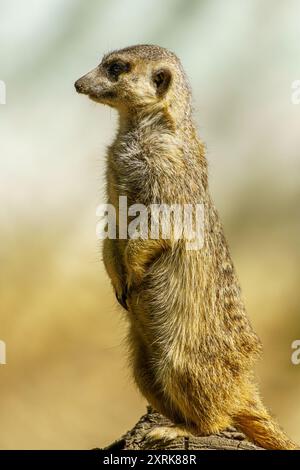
(161, 79)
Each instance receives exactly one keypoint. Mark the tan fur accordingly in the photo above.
(192, 346)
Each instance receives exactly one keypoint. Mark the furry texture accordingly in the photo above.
(192, 346)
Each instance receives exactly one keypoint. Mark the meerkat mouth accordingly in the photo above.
(94, 98)
(102, 96)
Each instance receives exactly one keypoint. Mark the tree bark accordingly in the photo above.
(230, 439)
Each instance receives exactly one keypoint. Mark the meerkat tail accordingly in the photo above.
(261, 428)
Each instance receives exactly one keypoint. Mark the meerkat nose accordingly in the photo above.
(79, 86)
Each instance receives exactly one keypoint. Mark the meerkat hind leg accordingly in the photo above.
(161, 435)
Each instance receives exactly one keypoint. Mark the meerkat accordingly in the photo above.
(192, 347)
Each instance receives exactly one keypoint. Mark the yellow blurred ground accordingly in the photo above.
(66, 383)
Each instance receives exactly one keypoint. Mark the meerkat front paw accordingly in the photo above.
(159, 436)
(123, 296)
(122, 299)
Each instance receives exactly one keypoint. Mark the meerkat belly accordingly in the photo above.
(177, 359)
(145, 375)
(182, 386)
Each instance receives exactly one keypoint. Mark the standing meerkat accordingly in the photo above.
(192, 346)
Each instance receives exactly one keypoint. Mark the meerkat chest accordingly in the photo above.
(143, 161)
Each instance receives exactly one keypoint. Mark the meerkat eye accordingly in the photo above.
(161, 79)
(115, 69)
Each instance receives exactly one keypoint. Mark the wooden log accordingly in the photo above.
(230, 439)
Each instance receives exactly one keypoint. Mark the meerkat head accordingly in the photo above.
(142, 77)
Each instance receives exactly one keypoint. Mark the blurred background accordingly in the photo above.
(66, 383)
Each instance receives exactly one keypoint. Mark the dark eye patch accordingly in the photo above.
(116, 68)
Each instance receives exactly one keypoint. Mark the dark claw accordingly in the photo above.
(122, 299)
